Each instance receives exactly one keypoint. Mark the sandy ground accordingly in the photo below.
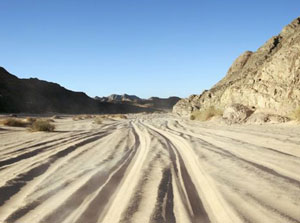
(150, 168)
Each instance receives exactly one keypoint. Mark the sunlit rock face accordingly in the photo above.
(268, 79)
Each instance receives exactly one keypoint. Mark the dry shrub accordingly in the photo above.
(118, 116)
(42, 125)
(122, 116)
(98, 120)
(33, 123)
(296, 115)
(112, 116)
(75, 118)
(78, 117)
(30, 120)
(15, 122)
(82, 117)
(206, 114)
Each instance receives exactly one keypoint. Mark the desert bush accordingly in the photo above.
(78, 117)
(296, 115)
(82, 117)
(98, 120)
(120, 116)
(206, 114)
(123, 116)
(14, 122)
(75, 118)
(30, 120)
(42, 125)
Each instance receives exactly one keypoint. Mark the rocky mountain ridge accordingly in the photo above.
(118, 98)
(165, 104)
(266, 80)
(36, 96)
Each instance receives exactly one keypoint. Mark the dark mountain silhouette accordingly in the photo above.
(37, 96)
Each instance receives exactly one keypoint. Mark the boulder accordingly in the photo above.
(237, 113)
(262, 118)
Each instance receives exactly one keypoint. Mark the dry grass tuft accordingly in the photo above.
(296, 115)
(100, 117)
(207, 114)
(33, 123)
(118, 116)
(42, 125)
(98, 120)
(15, 122)
(82, 117)
(30, 120)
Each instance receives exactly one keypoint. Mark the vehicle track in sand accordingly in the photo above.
(150, 168)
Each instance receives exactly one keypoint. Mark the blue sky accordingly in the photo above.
(142, 47)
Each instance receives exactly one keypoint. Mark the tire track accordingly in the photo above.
(40, 200)
(137, 197)
(198, 212)
(150, 168)
(205, 187)
(13, 186)
(164, 208)
(38, 151)
(91, 214)
(209, 146)
(226, 138)
(126, 188)
(255, 198)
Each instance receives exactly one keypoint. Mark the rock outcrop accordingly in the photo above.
(237, 113)
(267, 80)
(262, 118)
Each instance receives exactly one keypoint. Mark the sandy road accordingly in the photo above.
(150, 168)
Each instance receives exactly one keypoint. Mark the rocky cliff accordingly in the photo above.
(266, 80)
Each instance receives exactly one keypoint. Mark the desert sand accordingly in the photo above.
(150, 168)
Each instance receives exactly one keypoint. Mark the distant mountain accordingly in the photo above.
(119, 98)
(162, 104)
(37, 96)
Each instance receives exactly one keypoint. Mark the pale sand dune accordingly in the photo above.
(150, 168)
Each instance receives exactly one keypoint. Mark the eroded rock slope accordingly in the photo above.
(267, 80)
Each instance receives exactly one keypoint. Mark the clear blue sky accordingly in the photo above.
(142, 47)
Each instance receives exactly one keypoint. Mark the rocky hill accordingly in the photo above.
(119, 98)
(162, 103)
(266, 80)
(156, 103)
(37, 96)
